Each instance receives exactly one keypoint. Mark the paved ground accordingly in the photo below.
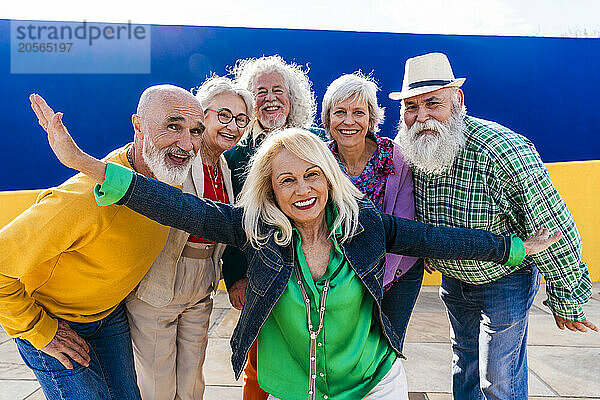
(562, 365)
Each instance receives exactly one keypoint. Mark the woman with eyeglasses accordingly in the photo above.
(169, 312)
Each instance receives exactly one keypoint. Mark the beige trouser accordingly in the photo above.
(169, 343)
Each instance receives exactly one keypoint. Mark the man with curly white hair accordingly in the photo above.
(283, 99)
(283, 91)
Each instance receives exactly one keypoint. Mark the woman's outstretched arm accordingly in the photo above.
(169, 206)
(417, 239)
(156, 200)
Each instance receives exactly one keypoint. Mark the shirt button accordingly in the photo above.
(321, 374)
(325, 397)
(319, 344)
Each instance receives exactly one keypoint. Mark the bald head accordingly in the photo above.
(159, 94)
(168, 130)
(160, 101)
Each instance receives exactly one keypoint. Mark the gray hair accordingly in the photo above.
(351, 85)
(434, 155)
(257, 198)
(216, 85)
(302, 98)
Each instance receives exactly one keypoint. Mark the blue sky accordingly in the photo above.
(576, 18)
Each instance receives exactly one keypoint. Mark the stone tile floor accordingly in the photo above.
(562, 365)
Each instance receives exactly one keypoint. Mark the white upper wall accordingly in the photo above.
(561, 18)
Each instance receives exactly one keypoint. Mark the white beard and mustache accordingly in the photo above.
(273, 122)
(155, 159)
(433, 153)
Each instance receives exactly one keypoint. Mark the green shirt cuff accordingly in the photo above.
(116, 182)
(517, 251)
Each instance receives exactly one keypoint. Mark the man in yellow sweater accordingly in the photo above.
(66, 265)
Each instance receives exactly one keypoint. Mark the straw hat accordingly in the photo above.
(426, 73)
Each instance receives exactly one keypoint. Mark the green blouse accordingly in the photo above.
(352, 353)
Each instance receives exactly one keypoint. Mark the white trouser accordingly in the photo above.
(393, 386)
(169, 343)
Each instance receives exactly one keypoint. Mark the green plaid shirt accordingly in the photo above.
(499, 183)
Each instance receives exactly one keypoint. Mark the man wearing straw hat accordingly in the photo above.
(473, 173)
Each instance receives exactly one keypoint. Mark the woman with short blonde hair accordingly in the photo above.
(258, 201)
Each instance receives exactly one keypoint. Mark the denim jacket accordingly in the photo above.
(270, 267)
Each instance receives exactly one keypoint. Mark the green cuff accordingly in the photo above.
(517, 251)
(116, 183)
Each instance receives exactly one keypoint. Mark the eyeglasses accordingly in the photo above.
(225, 116)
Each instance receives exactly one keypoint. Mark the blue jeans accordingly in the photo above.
(489, 334)
(111, 373)
(399, 300)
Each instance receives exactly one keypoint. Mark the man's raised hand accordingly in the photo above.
(59, 138)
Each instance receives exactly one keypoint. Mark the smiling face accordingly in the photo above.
(432, 131)
(220, 137)
(300, 188)
(349, 122)
(171, 130)
(272, 100)
(436, 105)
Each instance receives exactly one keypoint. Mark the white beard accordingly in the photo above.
(275, 122)
(155, 159)
(432, 153)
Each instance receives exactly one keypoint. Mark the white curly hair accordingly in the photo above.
(302, 98)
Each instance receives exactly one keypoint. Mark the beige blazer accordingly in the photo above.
(156, 288)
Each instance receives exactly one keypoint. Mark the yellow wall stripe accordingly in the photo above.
(578, 182)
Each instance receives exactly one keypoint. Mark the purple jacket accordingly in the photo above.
(398, 200)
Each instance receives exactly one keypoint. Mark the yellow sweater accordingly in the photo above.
(67, 258)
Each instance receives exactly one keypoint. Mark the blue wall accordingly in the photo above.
(544, 88)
